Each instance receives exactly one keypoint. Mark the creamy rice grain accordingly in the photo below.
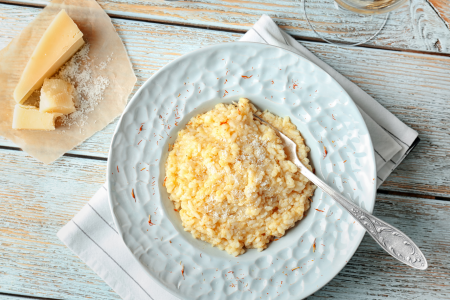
(230, 179)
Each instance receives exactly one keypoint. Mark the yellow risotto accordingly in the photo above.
(230, 180)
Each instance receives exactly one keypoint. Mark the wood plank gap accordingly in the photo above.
(442, 198)
(10, 148)
(229, 30)
(26, 297)
(86, 156)
(35, 5)
(412, 195)
(65, 154)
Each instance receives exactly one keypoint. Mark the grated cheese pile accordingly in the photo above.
(89, 90)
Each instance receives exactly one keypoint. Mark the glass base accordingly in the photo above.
(344, 9)
(370, 6)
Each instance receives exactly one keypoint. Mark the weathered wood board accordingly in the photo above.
(429, 25)
(416, 25)
(414, 87)
(442, 8)
(38, 200)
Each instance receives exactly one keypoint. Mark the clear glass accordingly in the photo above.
(371, 6)
(349, 16)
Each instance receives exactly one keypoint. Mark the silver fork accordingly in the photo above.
(392, 240)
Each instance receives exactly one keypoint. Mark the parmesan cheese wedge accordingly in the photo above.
(58, 44)
(29, 117)
(57, 97)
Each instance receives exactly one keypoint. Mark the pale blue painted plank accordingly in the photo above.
(36, 201)
(415, 25)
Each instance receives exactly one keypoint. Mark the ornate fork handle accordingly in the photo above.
(395, 242)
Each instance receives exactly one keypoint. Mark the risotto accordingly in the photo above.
(230, 179)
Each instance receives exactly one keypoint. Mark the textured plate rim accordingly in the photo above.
(195, 52)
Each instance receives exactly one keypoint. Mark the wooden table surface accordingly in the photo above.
(406, 69)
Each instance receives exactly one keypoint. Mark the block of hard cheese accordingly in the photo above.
(57, 97)
(29, 117)
(58, 44)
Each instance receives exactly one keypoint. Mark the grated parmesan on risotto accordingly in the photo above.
(230, 180)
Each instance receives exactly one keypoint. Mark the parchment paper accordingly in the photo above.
(47, 146)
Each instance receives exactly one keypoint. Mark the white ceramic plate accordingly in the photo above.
(285, 84)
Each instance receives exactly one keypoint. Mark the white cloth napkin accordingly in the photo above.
(92, 235)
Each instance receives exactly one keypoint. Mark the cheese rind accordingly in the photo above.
(58, 44)
(57, 97)
(29, 117)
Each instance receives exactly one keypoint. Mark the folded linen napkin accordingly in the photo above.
(92, 235)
